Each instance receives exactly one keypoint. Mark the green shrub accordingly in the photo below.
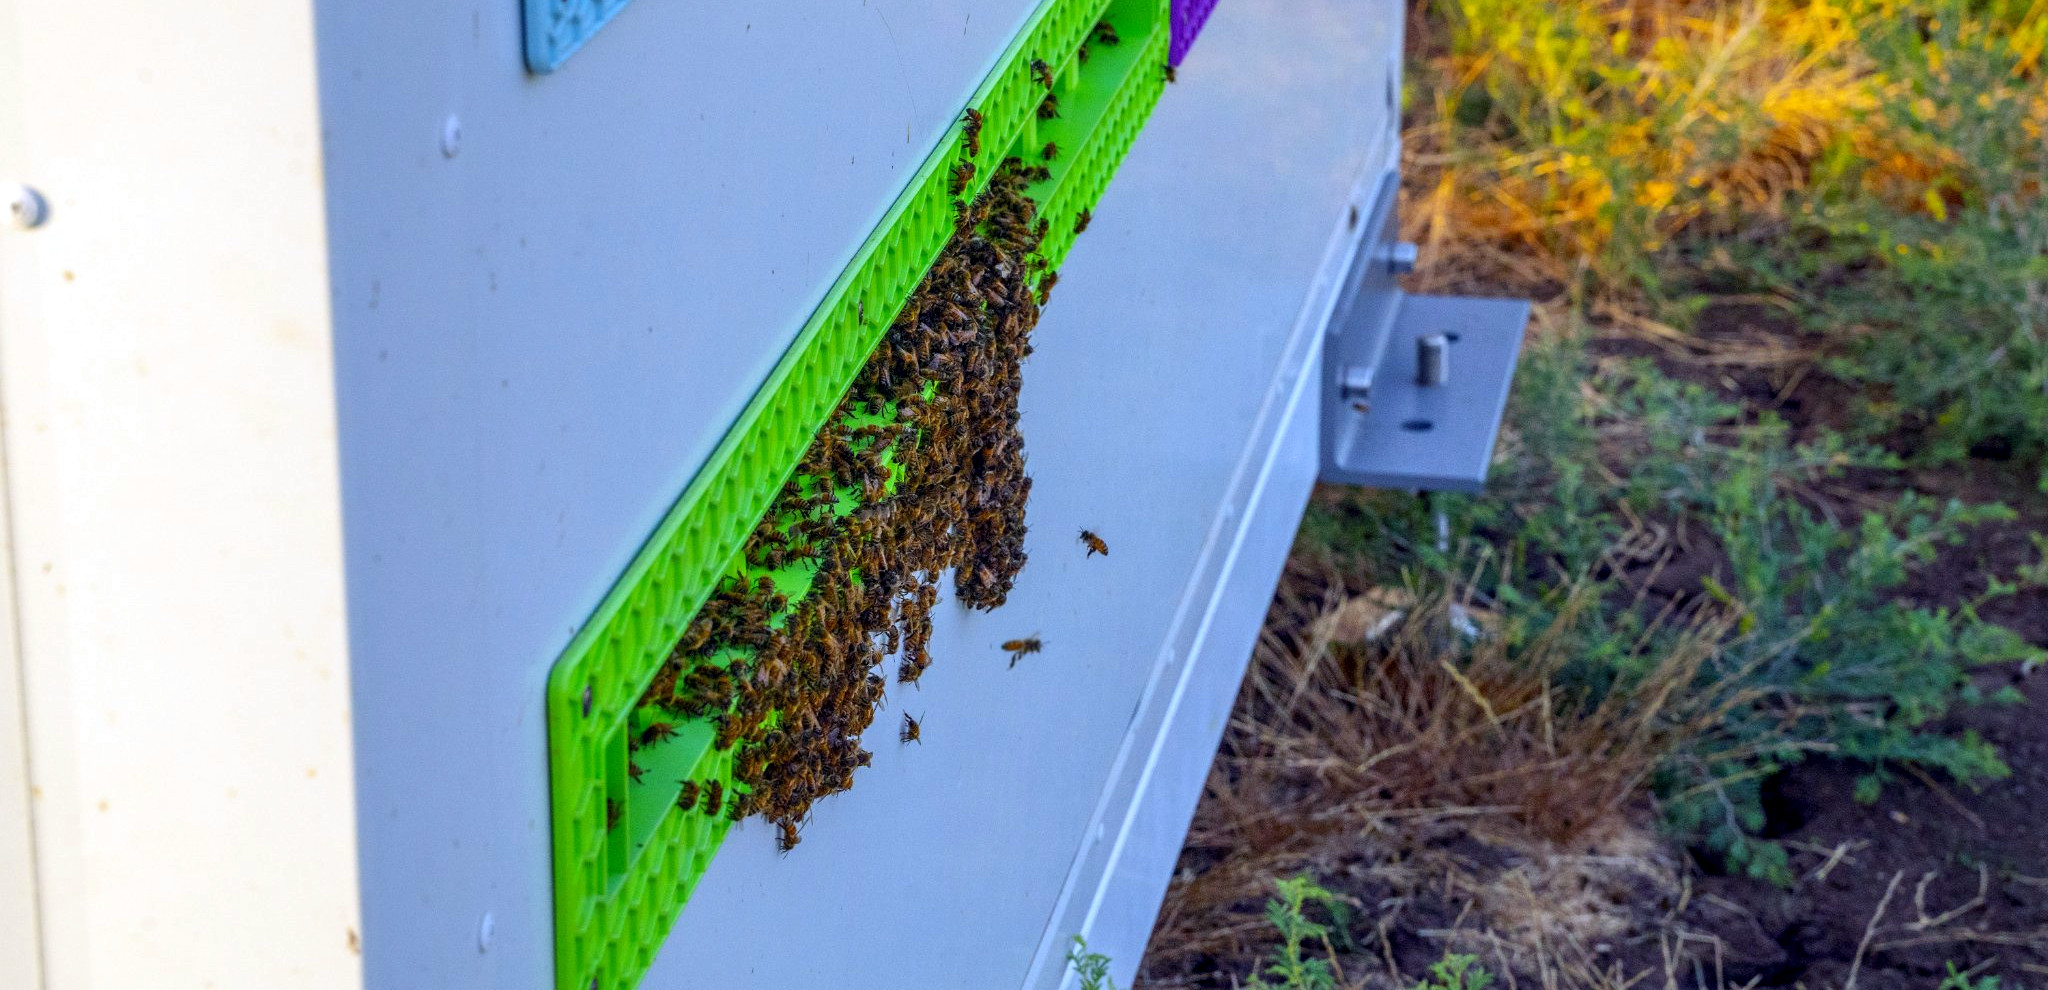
(1457, 972)
(1288, 913)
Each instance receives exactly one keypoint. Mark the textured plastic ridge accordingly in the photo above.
(1188, 18)
(624, 860)
(556, 28)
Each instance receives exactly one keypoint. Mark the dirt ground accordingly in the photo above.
(1967, 872)
(1888, 895)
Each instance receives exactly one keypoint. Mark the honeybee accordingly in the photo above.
(1021, 648)
(963, 173)
(1050, 108)
(1106, 33)
(1171, 76)
(1083, 219)
(912, 731)
(970, 128)
(1041, 72)
(714, 797)
(687, 799)
(786, 837)
(635, 771)
(613, 811)
(1052, 151)
(1094, 544)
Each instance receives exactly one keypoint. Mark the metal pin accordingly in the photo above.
(1432, 359)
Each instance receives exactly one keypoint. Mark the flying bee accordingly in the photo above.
(687, 799)
(1041, 72)
(970, 128)
(1106, 33)
(714, 797)
(1083, 219)
(1050, 108)
(912, 731)
(1052, 151)
(963, 173)
(1021, 648)
(1094, 544)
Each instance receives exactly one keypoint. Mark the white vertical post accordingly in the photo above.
(166, 374)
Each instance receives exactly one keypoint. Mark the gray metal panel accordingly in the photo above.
(540, 338)
(1169, 406)
(1435, 438)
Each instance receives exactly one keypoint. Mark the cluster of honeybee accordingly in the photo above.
(920, 471)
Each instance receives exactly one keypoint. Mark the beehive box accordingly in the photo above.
(342, 399)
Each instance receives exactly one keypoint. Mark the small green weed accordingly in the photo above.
(1457, 972)
(1092, 968)
(1288, 913)
(1960, 980)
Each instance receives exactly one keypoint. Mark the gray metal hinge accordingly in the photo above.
(1414, 387)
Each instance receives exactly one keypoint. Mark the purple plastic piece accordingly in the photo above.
(1188, 18)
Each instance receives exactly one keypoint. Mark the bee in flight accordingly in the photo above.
(1094, 544)
(1021, 648)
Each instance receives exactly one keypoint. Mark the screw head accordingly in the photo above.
(1401, 257)
(1354, 381)
(26, 208)
(451, 136)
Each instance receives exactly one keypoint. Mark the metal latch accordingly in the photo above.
(1414, 386)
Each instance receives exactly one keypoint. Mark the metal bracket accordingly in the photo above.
(1413, 386)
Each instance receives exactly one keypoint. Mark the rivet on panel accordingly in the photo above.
(451, 136)
(26, 208)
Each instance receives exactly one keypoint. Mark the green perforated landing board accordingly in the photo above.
(625, 860)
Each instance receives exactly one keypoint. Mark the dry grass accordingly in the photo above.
(1464, 793)
(1558, 139)
(1406, 764)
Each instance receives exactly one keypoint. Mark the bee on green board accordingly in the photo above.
(970, 128)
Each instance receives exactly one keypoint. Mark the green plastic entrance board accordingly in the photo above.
(625, 859)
